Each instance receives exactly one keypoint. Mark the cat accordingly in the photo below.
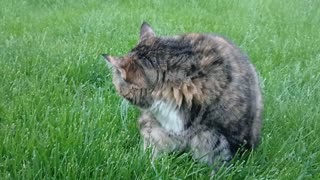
(197, 93)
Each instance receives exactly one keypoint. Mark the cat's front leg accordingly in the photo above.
(210, 147)
(146, 125)
(157, 138)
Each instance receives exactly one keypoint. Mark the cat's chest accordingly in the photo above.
(168, 116)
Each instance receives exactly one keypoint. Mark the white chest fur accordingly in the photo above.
(168, 116)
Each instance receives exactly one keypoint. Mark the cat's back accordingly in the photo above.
(214, 51)
(232, 79)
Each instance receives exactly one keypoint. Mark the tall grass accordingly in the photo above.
(60, 117)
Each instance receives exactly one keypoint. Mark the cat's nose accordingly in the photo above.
(105, 55)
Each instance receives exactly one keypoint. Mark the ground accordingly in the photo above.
(60, 117)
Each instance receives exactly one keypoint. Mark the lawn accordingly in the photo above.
(60, 117)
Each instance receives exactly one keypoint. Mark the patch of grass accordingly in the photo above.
(60, 117)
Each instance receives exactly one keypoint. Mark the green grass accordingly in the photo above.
(60, 117)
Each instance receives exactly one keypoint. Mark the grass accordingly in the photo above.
(60, 117)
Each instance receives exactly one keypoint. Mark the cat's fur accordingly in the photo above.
(197, 93)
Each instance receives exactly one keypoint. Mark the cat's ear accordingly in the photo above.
(146, 31)
(118, 64)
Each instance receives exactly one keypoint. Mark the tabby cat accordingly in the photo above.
(197, 93)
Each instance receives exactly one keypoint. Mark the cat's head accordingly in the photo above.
(133, 78)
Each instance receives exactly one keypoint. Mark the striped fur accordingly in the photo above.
(196, 92)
